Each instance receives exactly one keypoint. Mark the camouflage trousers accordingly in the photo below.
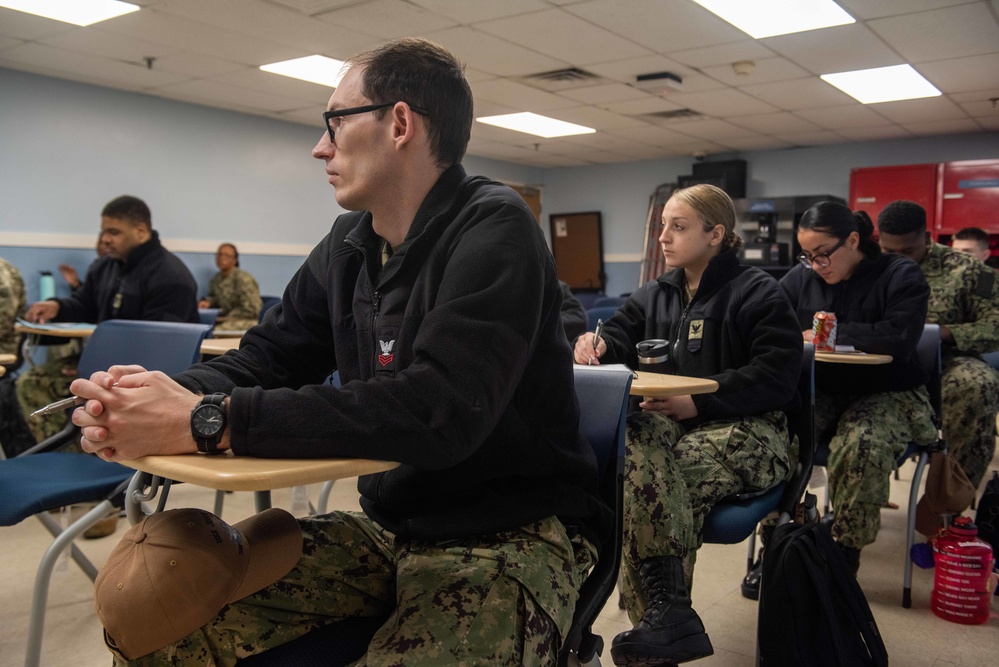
(503, 599)
(866, 435)
(675, 475)
(44, 384)
(970, 397)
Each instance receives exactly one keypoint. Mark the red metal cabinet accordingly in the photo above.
(873, 188)
(969, 196)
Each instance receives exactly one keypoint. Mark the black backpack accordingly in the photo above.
(812, 610)
(987, 516)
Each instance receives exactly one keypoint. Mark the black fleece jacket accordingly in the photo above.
(151, 284)
(738, 330)
(881, 309)
(452, 362)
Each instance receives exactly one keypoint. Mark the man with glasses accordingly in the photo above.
(964, 301)
(438, 303)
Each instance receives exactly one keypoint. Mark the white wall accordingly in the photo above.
(211, 175)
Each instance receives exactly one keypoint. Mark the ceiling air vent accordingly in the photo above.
(676, 114)
(563, 79)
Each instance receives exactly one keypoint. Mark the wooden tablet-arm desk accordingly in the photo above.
(237, 473)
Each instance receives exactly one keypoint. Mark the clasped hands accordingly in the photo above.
(146, 413)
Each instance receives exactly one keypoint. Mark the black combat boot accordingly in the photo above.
(751, 582)
(670, 631)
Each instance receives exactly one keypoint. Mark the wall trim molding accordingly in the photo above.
(86, 242)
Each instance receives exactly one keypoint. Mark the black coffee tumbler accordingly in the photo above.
(653, 355)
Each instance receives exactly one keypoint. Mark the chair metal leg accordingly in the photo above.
(751, 555)
(219, 498)
(910, 529)
(56, 530)
(262, 500)
(43, 578)
(324, 497)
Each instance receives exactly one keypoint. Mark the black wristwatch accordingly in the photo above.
(208, 422)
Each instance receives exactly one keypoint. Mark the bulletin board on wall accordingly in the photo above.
(577, 244)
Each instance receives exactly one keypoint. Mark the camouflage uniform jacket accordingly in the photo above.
(12, 304)
(237, 298)
(964, 297)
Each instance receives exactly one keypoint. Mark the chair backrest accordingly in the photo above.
(588, 299)
(602, 393)
(170, 347)
(930, 360)
(208, 315)
(613, 301)
(602, 313)
(269, 302)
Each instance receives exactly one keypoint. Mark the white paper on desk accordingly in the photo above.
(602, 367)
(847, 349)
(56, 326)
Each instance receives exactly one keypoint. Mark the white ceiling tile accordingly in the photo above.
(723, 103)
(937, 127)
(493, 55)
(952, 32)
(839, 49)
(723, 54)
(598, 119)
(799, 94)
(215, 93)
(875, 133)
(484, 108)
(758, 143)
(865, 9)
(646, 105)
(842, 117)
(813, 138)
(991, 124)
(764, 71)
(654, 135)
(389, 19)
(607, 92)
(712, 128)
(276, 24)
(473, 11)
(197, 65)
(9, 42)
(776, 123)
(561, 35)
(257, 79)
(654, 23)
(29, 27)
(918, 111)
(96, 43)
(981, 106)
(698, 147)
(182, 33)
(110, 72)
(963, 74)
(519, 96)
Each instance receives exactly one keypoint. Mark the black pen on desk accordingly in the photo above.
(596, 339)
(58, 406)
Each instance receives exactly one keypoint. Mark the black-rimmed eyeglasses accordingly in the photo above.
(333, 118)
(823, 259)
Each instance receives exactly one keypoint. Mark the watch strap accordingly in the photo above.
(209, 445)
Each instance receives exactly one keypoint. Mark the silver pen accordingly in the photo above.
(596, 339)
(58, 406)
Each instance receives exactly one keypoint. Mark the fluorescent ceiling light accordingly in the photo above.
(883, 84)
(532, 123)
(766, 18)
(314, 69)
(77, 12)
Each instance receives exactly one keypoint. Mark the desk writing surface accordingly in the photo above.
(244, 473)
(859, 358)
(57, 329)
(661, 385)
(216, 346)
(7, 358)
(228, 333)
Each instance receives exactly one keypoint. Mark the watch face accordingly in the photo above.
(207, 420)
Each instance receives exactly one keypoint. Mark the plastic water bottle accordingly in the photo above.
(963, 565)
(46, 286)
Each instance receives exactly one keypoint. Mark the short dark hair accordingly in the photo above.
(973, 234)
(128, 208)
(838, 221)
(424, 75)
(902, 217)
(234, 251)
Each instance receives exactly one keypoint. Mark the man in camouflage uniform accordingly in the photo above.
(964, 301)
(436, 299)
(12, 304)
(233, 291)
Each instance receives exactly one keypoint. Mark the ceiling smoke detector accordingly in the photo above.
(743, 67)
(659, 83)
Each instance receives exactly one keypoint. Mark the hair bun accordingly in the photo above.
(864, 224)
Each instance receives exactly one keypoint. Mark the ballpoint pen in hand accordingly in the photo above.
(58, 406)
(596, 339)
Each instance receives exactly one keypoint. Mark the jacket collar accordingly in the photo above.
(718, 271)
(140, 252)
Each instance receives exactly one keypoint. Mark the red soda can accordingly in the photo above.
(824, 331)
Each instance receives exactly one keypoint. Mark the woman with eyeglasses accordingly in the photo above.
(866, 413)
(233, 291)
(683, 454)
